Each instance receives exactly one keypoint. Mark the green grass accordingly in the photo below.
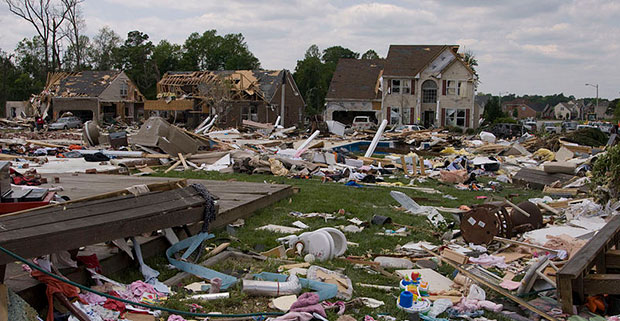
(329, 197)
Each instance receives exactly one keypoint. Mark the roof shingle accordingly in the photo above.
(356, 79)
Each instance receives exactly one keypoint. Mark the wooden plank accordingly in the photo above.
(157, 186)
(183, 161)
(565, 292)
(597, 244)
(594, 284)
(4, 303)
(612, 259)
(175, 165)
(495, 288)
(422, 169)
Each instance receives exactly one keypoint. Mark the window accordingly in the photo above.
(456, 87)
(395, 86)
(452, 87)
(455, 117)
(462, 90)
(124, 89)
(401, 86)
(249, 113)
(429, 92)
(394, 115)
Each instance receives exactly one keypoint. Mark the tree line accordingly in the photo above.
(61, 45)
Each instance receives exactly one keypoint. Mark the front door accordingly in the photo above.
(429, 118)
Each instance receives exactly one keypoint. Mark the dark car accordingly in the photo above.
(507, 130)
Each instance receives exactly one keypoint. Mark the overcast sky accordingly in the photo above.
(522, 46)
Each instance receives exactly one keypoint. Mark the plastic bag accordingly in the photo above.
(439, 306)
(476, 293)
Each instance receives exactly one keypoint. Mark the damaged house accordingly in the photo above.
(91, 95)
(355, 90)
(232, 95)
(417, 84)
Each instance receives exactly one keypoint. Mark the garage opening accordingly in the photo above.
(346, 117)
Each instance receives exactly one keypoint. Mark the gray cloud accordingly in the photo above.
(526, 46)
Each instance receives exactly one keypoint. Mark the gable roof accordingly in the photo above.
(356, 79)
(86, 83)
(409, 60)
(538, 107)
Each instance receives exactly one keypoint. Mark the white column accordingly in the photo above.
(375, 140)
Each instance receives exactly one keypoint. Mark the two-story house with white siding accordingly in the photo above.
(417, 84)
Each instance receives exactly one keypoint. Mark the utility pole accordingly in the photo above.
(595, 86)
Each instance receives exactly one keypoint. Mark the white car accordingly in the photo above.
(362, 123)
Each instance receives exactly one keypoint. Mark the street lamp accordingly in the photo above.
(595, 86)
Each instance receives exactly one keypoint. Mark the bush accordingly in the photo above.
(588, 136)
(606, 174)
(505, 120)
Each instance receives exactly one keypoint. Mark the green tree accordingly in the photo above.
(617, 111)
(492, 110)
(167, 57)
(332, 54)
(515, 113)
(210, 51)
(370, 54)
(134, 57)
(312, 78)
(85, 51)
(105, 42)
(30, 57)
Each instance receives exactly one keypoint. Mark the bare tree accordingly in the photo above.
(47, 18)
(75, 23)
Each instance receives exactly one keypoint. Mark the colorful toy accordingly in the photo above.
(412, 299)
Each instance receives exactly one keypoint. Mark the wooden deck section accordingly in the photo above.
(236, 200)
(600, 253)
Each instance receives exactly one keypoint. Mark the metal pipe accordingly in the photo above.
(272, 288)
(201, 126)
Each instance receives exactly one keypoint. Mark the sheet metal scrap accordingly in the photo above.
(485, 221)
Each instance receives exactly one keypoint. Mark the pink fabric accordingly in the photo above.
(175, 317)
(294, 316)
(92, 298)
(308, 302)
(510, 285)
(467, 305)
(489, 260)
(138, 288)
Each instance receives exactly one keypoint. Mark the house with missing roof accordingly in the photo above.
(415, 84)
(232, 95)
(91, 95)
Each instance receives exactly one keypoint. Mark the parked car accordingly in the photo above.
(551, 127)
(362, 123)
(407, 128)
(584, 126)
(66, 123)
(530, 126)
(604, 127)
(569, 126)
(507, 130)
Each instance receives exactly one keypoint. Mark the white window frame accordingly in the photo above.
(124, 89)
